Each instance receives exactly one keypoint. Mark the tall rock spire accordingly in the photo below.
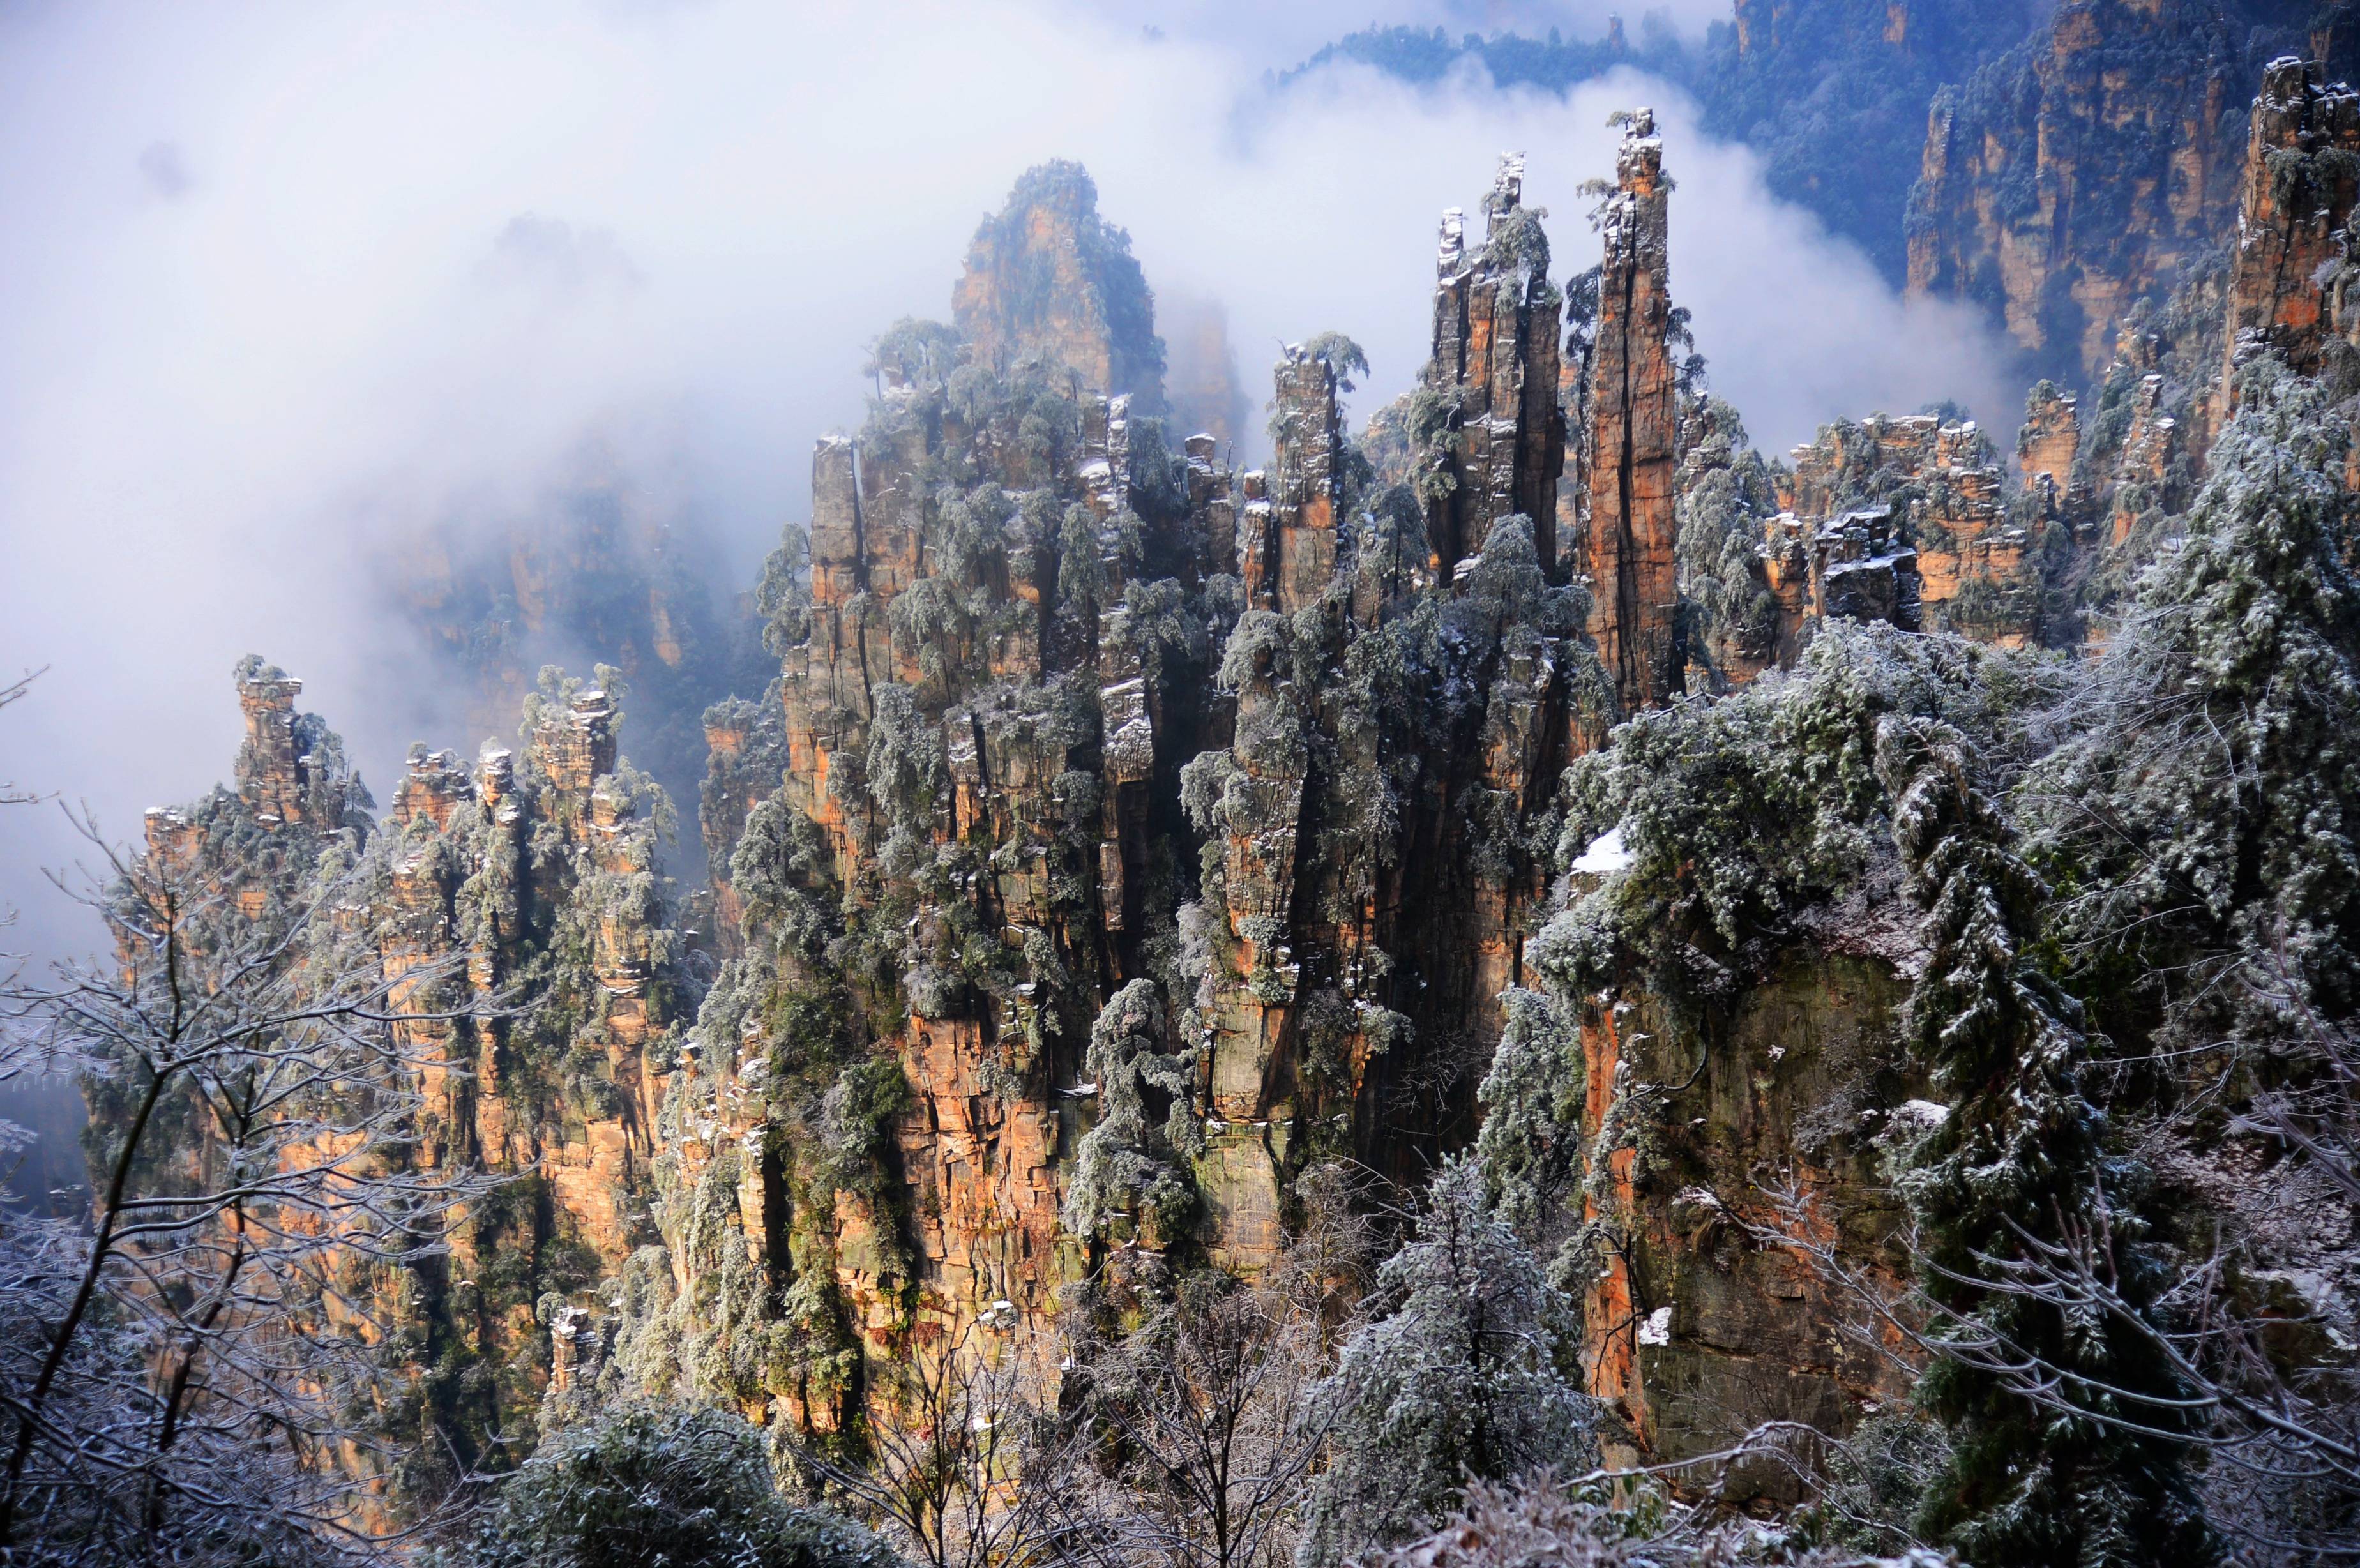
(1632, 528)
(1495, 356)
(2293, 220)
(1048, 278)
(1287, 534)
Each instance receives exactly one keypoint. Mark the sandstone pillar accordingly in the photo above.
(1632, 526)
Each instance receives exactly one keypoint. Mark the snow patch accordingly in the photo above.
(1604, 856)
(1658, 1329)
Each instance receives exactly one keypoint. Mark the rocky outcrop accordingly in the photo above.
(517, 917)
(2290, 267)
(1048, 278)
(1286, 529)
(1698, 1326)
(591, 569)
(539, 872)
(1495, 373)
(1906, 520)
(1629, 445)
(2049, 443)
(2090, 165)
(1044, 655)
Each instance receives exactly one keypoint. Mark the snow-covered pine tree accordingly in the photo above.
(1458, 1379)
(1134, 1161)
(2062, 1423)
(2208, 809)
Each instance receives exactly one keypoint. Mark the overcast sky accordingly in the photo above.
(279, 284)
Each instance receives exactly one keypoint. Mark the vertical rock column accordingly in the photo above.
(826, 678)
(1496, 353)
(1286, 553)
(2046, 448)
(1632, 526)
(2285, 291)
(420, 933)
(501, 867)
(1129, 729)
(269, 772)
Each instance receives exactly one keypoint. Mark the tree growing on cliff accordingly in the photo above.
(2207, 813)
(2068, 1430)
(1458, 1376)
(1134, 1161)
(2202, 824)
(1724, 495)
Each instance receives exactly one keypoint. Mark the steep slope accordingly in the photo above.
(2094, 162)
(1048, 278)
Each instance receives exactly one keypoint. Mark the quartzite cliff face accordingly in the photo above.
(1631, 528)
(2097, 161)
(1123, 835)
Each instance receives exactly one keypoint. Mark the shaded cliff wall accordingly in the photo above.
(2092, 163)
(1719, 1132)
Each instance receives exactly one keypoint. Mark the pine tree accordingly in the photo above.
(1133, 1162)
(1458, 1379)
(647, 1487)
(2210, 807)
(2089, 1472)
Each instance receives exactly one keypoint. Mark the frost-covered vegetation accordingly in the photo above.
(1251, 1059)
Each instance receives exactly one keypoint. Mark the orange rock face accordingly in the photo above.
(1049, 279)
(271, 773)
(2050, 439)
(1287, 539)
(2068, 178)
(2287, 272)
(1632, 524)
(1904, 520)
(1495, 359)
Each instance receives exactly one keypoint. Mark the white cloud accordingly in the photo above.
(412, 255)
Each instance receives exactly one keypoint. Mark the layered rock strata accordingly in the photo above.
(1494, 364)
(2291, 267)
(1122, 835)
(514, 910)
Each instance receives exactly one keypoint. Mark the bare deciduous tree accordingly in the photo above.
(1209, 1410)
(968, 1460)
(2279, 1439)
(14, 690)
(189, 1374)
